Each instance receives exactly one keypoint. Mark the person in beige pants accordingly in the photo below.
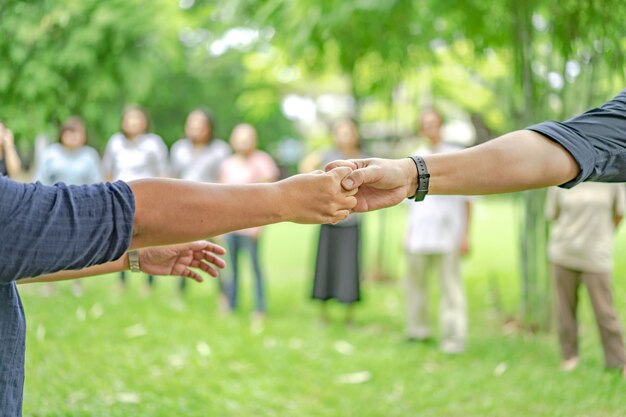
(580, 251)
(437, 236)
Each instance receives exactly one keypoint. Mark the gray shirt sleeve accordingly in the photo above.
(596, 139)
(45, 229)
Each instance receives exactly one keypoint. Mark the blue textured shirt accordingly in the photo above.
(45, 229)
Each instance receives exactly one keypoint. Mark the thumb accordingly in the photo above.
(359, 177)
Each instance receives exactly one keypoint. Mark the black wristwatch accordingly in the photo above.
(423, 178)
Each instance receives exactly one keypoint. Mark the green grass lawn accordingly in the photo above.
(107, 354)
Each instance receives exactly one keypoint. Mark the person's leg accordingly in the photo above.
(12, 349)
(566, 282)
(253, 248)
(599, 287)
(231, 287)
(453, 307)
(417, 326)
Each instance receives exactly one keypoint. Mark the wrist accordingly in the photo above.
(409, 172)
(280, 208)
(124, 264)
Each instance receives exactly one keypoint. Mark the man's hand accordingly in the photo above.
(378, 183)
(317, 197)
(178, 259)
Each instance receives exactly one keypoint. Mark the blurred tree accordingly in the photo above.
(553, 59)
(91, 58)
(73, 57)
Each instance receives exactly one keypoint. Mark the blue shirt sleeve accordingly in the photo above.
(596, 139)
(45, 229)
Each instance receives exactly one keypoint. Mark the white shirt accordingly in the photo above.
(582, 235)
(203, 164)
(142, 157)
(437, 224)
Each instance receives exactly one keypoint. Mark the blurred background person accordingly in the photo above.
(580, 251)
(135, 154)
(10, 163)
(198, 157)
(248, 165)
(437, 236)
(70, 161)
(338, 265)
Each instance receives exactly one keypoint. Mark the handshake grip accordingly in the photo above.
(377, 183)
(347, 186)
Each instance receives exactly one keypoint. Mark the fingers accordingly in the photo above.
(340, 163)
(215, 260)
(211, 258)
(206, 267)
(215, 248)
(339, 216)
(361, 176)
(199, 245)
(188, 273)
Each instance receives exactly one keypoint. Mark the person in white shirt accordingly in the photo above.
(198, 157)
(580, 251)
(135, 154)
(436, 237)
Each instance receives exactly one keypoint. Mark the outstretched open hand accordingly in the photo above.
(179, 259)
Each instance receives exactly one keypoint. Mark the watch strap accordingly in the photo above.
(133, 260)
(423, 178)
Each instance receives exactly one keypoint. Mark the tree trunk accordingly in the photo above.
(536, 306)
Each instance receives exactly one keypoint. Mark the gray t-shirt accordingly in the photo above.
(596, 139)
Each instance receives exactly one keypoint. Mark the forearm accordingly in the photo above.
(190, 211)
(517, 161)
(14, 165)
(114, 266)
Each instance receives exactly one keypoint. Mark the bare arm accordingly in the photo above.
(166, 260)
(188, 211)
(14, 164)
(517, 161)
(115, 266)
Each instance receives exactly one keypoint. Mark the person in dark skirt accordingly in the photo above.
(337, 267)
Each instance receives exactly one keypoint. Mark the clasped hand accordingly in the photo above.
(348, 186)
